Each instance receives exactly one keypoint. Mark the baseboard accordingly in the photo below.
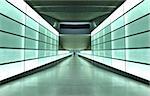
(114, 70)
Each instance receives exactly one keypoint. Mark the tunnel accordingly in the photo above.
(74, 48)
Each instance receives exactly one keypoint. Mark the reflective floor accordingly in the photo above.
(74, 77)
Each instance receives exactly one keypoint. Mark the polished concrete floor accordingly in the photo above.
(74, 77)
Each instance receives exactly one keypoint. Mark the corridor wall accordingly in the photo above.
(26, 39)
(122, 41)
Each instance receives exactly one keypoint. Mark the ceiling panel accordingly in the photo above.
(75, 10)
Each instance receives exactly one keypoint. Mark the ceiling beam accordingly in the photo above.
(75, 17)
(86, 6)
(80, 3)
(73, 9)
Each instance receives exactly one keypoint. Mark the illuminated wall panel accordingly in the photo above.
(138, 11)
(118, 33)
(117, 23)
(138, 26)
(31, 44)
(11, 26)
(138, 55)
(32, 34)
(11, 55)
(24, 40)
(31, 54)
(11, 41)
(118, 54)
(118, 44)
(138, 69)
(9, 70)
(31, 23)
(143, 40)
(127, 45)
(118, 64)
(8, 10)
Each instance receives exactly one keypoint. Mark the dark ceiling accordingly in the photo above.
(59, 12)
(75, 10)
